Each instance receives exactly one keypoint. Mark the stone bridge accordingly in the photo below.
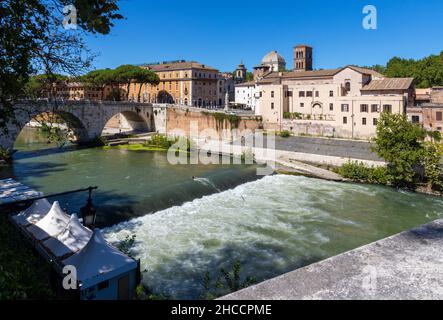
(86, 119)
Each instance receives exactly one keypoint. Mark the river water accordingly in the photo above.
(185, 228)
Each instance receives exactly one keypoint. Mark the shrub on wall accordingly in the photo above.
(358, 171)
(5, 155)
(285, 134)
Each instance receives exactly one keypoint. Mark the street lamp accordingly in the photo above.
(88, 212)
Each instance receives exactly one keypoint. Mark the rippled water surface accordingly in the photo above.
(186, 227)
(272, 226)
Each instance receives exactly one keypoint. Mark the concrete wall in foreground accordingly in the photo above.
(407, 266)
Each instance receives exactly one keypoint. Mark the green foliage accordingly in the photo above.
(160, 141)
(358, 171)
(127, 244)
(32, 41)
(125, 74)
(55, 134)
(225, 283)
(220, 117)
(5, 155)
(401, 144)
(98, 141)
(428, 72)
(42, 84)
(435, 136)
(143, 292)
(294, 115)
(432, 164)
(23, 275)
(285, 134)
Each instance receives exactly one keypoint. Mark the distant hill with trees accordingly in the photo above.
(428, 72)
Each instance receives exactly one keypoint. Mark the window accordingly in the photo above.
(302, 105)
(375, 108)
(387, 108)
(345, 108)
(363, 121)
(331, 93)
(439, 116)
(331, 107)
(317, 94)
(301, 94)
(272, 105)
(364, 108)
(272, 94)
(415, 119)
(309, 93)
(375, 121)
(348, 86)
(345, 120)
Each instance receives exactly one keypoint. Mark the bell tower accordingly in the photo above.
(303, 58)
(240, 73)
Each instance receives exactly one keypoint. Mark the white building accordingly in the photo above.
(345, 102)
(245, 94)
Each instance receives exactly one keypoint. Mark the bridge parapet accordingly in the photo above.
(86, 119)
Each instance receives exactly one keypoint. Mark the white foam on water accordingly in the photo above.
(207, 182)
(272, 225)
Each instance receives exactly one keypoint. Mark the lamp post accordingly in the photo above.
(88, 212)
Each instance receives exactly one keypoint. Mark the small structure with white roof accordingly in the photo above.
(103, 272)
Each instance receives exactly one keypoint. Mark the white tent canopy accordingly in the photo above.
(99, 261)
(34, 213)
(71, 240)
(51, 225)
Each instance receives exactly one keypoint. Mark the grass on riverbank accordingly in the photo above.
(23, 275)
(157, 143)
(135, 147)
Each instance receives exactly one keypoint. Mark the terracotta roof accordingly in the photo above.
(179, 66)
(270, 78)
(311, 74)
(389, 84)
(366, 71)
(246, 84)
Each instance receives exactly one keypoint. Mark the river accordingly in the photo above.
(185, 228)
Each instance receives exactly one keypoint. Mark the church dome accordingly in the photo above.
(272, 58)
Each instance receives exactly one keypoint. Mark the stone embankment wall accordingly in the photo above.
(192, 122)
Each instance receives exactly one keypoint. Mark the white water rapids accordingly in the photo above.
(272, 226)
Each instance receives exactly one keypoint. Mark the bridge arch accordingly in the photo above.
(129, 121)
(73, 126)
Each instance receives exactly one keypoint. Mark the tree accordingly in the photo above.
(143, 77)
(428, 72)
(432, 162)
(402, 144)
(125, 74)
(100, 79)
(32, 41)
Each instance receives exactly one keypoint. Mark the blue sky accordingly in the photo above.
(223, 33)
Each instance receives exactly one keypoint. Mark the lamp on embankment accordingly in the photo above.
(88, 212)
